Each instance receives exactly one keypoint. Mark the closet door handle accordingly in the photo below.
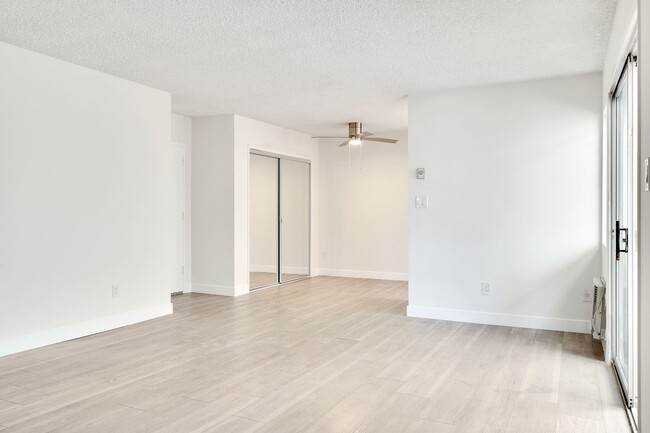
(618, 232)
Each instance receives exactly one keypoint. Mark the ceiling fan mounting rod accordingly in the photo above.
(355, 129)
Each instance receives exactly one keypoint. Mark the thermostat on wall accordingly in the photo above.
(420, 173)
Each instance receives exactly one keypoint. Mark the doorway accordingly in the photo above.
(178, 278)
(279, 222)
(623, 217)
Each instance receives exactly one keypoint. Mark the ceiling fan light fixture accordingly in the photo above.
(355, 141)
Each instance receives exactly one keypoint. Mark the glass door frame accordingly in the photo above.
(627, 83)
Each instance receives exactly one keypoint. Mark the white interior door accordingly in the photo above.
(624, 211)
(178, 282)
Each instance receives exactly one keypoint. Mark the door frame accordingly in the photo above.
(181, 224)
(629, 388)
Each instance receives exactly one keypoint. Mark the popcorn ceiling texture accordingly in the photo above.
(313, 65)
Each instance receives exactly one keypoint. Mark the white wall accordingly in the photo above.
(213, 216)
(618, 47)
(220, 193)
(86, 171)
(513, 181)
(181, 132)
(364, 214)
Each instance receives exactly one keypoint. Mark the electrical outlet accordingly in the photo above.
(587, 296)
(486, 289)
(116, 291)
(324, 256)
(422, 202)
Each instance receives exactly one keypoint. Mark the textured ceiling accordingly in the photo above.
(313, 65)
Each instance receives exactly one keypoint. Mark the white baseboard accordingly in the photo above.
(300, 270)
(285, 269)
(211, 289)
(83, 329)
(241, 290)
(396, 276)
(532, 322)
(263, 268)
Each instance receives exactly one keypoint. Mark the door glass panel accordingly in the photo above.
(624, 191)
(621, 275)
(263, 223)
(294, 219)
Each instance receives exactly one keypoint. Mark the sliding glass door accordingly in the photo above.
(279, 219)
(294, 221)
(623, 217)
(263, 221)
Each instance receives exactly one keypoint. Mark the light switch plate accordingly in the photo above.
(422, 202)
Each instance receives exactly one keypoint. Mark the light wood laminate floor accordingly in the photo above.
(321, 355)
(263, 279)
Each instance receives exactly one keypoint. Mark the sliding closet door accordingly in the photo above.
(294, 219)
(624, 211)
(263, 228)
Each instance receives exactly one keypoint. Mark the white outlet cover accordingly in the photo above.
(422, 202)
(486, 288)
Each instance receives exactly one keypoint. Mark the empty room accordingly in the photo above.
(325, 216)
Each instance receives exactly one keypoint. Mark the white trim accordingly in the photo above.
(83, 329)
(485, 318)
(211, 289)
(349, 273)
(183, 224)
(264, 268)
(630, 41)
(242, 289)
(285, 270)
(296, 270)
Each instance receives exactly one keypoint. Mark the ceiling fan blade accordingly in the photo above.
(331, 137)
(383, 140)
(366, 134)
(345, 143)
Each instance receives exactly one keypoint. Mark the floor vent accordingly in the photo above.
(597, 322)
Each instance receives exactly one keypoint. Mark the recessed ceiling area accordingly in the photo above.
(313, 66)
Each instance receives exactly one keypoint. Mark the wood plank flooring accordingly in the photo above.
(262, 279)
(321, 355)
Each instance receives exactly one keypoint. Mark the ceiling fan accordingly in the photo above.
(357, 136)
